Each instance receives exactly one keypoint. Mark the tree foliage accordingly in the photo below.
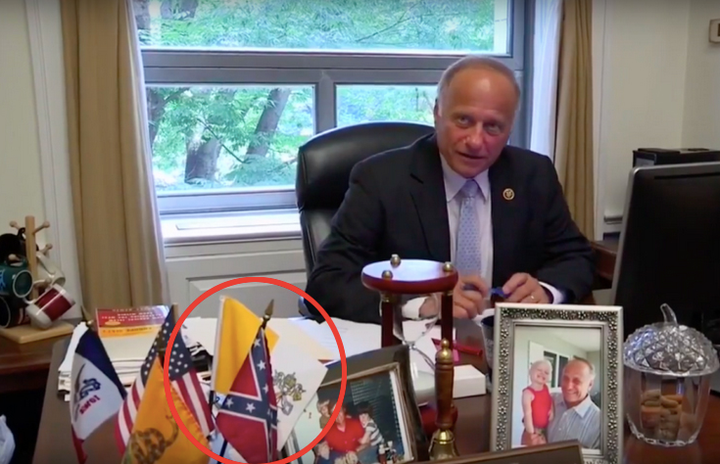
(220, 136)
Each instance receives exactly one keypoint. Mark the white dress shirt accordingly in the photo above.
(453, 183)
(581, 422)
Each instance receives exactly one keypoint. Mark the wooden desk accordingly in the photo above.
(54, 442)
(605, 255)
(23, 376)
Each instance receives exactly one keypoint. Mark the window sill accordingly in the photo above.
(230, 227)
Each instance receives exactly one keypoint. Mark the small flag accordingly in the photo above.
(247, 418)
(156, 437)
(183, 377)
(237, 328)
(296, 377)
(96, 391)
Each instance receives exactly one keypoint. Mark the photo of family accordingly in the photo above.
(557, 385)
(370, 427)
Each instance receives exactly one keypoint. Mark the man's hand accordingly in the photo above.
(524, 288)
(469, 296)
(467, 302)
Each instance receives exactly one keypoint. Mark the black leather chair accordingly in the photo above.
(323, 173)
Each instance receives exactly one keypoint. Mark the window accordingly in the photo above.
(235, 87)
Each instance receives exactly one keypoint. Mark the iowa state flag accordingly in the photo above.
(248, 416)
(96, 392)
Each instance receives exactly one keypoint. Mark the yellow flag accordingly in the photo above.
(156, 437)
(237, 328)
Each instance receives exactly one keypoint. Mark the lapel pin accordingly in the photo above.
(508, 194)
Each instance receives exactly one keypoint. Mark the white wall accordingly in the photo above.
(701, 127)
(640, 85)
(21, 188)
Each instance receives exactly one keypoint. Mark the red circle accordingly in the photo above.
(212, 291)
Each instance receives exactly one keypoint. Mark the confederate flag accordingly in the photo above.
(248, 417)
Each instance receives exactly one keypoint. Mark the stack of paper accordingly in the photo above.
(127, 355)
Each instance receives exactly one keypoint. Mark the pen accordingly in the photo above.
(496, 291)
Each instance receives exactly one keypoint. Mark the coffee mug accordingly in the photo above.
(15, 280)
(12, 312)
(49, 272)
(49, 307)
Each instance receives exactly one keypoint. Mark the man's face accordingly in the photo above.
(576, 382)
(340, 419)
(473, 120)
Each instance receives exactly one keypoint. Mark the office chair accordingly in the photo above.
(323, 172)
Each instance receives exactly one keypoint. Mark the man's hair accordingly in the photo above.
(589, 365)
(478, 62)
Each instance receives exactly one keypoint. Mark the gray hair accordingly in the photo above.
(478, 62)
(588, 364)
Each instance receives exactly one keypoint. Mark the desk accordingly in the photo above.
(605, 255)
(472, 430)
(23, 376)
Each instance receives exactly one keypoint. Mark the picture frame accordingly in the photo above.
(587, 403)
(379, 385)
(568, 452)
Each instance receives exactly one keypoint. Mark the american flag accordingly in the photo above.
(247, 418)
(183, 378)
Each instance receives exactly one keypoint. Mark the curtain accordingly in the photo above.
(574, 127)
(546, 44)
(119, 240)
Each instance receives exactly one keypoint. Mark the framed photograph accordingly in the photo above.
(559, 378)
(568, 452)
(379, 420)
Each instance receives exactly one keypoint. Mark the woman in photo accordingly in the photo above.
(537, 403)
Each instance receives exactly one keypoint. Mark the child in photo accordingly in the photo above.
(537, 403)
(373, 438)
(324, 410)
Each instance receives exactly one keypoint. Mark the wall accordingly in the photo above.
(640, 85)
(701, 127)
(20, 178)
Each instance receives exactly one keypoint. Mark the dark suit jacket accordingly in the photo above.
(395, 204)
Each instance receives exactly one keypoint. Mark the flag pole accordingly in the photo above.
(268, 314)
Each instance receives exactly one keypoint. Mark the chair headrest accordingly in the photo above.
(325, 161)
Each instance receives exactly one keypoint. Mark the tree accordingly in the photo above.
(249, 136)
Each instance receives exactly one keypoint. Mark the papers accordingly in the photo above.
(126, 353)
(298, 331)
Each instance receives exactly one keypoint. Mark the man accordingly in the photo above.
(575, 416)
(345, 436)
(460, 195)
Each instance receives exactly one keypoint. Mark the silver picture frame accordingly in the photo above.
(509, 317)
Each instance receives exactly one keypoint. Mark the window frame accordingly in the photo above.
(324, 70)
